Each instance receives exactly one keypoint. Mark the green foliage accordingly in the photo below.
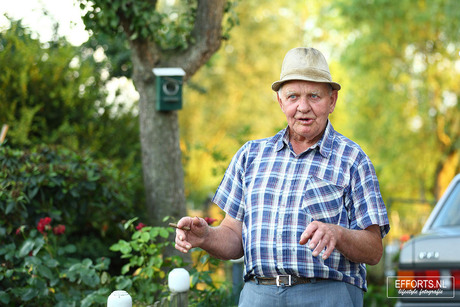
(55, 93)
(39, 268)
(116, 48)
(213, 294)
(169, 26)
(46, 90)
(144, 274)
(89, 197)
(400, 65)
(377, 295)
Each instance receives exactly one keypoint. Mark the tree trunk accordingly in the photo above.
(159, 136)
(159, 131)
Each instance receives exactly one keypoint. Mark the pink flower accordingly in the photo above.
(59, 229)
(209, 220)
(140, 226)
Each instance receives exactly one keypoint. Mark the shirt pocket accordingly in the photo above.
(324, 201)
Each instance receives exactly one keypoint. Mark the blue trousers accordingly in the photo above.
(325, 293)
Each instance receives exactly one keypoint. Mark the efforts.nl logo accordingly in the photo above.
(420, 286)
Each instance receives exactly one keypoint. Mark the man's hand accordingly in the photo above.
(322, 236)
(186, 239)
(364, 246)
(222, 242)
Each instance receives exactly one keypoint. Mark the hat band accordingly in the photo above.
(308, 73)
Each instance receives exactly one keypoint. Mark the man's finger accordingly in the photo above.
(308, 233)
(328, 252)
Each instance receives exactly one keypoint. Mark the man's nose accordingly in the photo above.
(304, 105)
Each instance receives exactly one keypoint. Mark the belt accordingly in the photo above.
(284, 280)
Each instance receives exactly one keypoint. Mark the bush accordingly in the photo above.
(40, 267)
(144, 275)
(87, 196)
(50, 196)
(37, 267)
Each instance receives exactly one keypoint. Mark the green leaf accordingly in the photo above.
(140, 261)
(145, 237)
(89, 278)
(130, 222)
(105, 277)
(154, 232)
(136, 246)
(9, 207)
(26, 247)
(125, 249)
(87, 262)
(45, 271)
(30, 294)
(164, 233)
(195, 279)
(125, 268)
(33, 192)
(124, 283)
(32, 260)
(4, 297)
(52, 263)
(9, 273)
(75, 267)
(136, 235)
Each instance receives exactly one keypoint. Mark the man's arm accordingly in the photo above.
(223, 242)
(364, 246)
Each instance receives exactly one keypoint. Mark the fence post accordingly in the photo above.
(179, 284)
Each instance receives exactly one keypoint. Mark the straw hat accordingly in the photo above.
(306, 64)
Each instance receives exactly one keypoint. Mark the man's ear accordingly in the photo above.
(279, 101)
(334, 96)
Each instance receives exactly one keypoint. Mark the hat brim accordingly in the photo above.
(277, 84)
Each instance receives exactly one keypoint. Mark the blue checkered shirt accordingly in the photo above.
(277, 193)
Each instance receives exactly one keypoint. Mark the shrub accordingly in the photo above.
(38, 267)
(144, 275)
(89, 197)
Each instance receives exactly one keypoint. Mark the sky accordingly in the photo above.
(65, 12)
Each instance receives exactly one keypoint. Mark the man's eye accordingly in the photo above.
(292, 96)
(314, 96)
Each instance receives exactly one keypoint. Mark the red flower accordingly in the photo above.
(18, 231)
(59, 229)
(404, 238)
(209, 220)
(44, 224)
(140, 226)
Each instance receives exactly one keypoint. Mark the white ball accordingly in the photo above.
(179, 280)
(119, 298)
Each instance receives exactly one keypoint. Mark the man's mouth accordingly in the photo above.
(305, 121)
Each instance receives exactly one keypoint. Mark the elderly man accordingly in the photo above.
(303, 207)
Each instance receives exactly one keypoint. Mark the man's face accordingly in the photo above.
(307, 106)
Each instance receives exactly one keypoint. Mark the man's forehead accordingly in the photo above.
(296, 85)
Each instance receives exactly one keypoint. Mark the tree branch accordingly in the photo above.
(207, 34)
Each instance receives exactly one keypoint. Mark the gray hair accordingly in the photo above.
(329, 91)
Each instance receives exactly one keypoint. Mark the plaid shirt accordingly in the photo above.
(277, 193)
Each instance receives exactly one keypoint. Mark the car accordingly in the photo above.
(429, 263)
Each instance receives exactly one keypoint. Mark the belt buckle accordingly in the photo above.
(282, 284)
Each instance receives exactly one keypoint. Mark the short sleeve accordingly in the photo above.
(366, 206)
(230, 193)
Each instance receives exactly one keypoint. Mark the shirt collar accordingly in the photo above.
(324, 144)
